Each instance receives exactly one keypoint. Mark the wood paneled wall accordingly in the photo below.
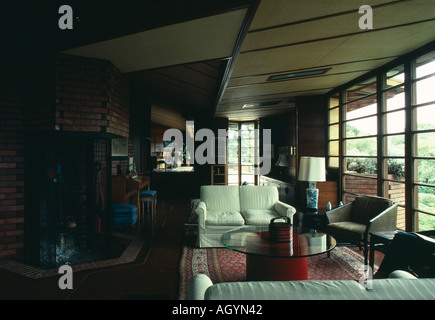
(312, 119)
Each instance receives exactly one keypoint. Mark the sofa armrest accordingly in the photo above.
(197, 286)
(201, 211)
(400, 274)
(339, 214)
(284, 210)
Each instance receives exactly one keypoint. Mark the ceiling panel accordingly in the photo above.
(336, 26)
(290, 36)
(202, 39)
(278, 12)
(284, 36)
(168, 117)
(346, 67)
(190, 86)
(328, 82)
(276, 60)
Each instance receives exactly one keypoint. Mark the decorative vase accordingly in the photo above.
(312, 195)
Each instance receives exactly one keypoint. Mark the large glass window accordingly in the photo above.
(242, 153)
(233, 154)
(333, 131)
(387, 126)
(360, 129)
(423, 138)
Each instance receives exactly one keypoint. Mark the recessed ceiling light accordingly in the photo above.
(300, 74)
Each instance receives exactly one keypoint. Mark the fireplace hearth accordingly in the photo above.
(67, 216)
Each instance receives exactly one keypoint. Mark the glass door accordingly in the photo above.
(242, 145)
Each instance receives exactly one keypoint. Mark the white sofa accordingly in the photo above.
(223, 208)
(399, 286)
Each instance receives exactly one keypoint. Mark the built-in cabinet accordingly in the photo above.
(286, 191)
(219, 174)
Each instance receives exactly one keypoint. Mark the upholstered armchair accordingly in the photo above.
(354, 221)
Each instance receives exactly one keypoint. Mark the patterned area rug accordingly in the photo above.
(225, 265)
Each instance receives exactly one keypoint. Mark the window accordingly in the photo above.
(381, 137)
(423, 140)
(242, 147)
(392, 153)
(333, 131)
(359, 140)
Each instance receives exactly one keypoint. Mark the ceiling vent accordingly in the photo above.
(267, 103)
(300, 74)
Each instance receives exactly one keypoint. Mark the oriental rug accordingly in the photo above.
(225, 265)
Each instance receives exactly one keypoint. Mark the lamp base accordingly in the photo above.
(312, 195)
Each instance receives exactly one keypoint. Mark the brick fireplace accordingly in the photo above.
(59, 114)
(66, 219)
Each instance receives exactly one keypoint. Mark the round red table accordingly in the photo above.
(277, 261)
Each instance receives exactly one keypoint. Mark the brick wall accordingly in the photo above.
(12, 120)
(62, 93)
(367, 186)
(91, 96)
(118, 103)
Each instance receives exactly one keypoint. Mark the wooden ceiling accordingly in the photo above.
(189, 86)
(216, 56)
(288, 36)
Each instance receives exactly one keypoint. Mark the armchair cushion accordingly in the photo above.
(348, 229)
(365, 208)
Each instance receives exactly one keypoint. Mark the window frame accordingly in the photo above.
(407, 67)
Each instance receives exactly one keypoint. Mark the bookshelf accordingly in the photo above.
(219, 174)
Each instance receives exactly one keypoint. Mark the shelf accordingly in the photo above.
(219, 174)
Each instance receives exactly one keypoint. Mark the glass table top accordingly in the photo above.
(255, 240)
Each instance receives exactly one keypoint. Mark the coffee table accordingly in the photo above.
(277, 261)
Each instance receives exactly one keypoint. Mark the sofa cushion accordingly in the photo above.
(383, 289)
(258, 216)
(221, 198)
(258, 197)
(348, 229)
(224, 218)
(365, 208)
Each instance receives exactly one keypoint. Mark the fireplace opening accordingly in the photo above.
(67, 217)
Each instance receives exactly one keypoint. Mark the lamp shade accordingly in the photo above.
(282, 161)
(312, 169)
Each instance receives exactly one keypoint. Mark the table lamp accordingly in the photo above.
(312, 169)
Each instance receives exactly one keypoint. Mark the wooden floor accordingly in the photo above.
(153, 275)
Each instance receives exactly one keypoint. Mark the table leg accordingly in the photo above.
(276, 269)
(372, 253)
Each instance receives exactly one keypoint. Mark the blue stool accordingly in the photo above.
(150, 198)
(124, 214)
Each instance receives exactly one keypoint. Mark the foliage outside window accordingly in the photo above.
(242, 145)
(383, 134)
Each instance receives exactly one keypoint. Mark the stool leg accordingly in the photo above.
(152, 218)
(154, 203)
